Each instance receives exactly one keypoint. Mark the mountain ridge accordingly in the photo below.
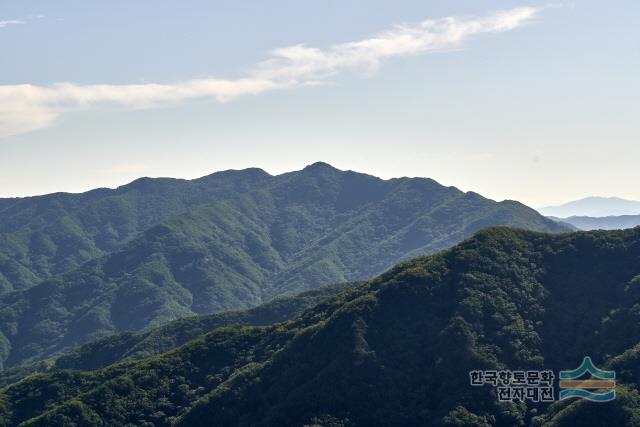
(499, 300)
(288, 234)
(52, 234)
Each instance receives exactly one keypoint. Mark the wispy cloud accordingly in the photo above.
(28, 107)
(10, 22)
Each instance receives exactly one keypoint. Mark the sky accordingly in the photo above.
(532, 101)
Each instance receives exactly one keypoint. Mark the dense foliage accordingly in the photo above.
(136, 345)
(392, 351)
(53, 234)
(239, 239)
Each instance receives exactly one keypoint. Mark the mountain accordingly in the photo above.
(595, 207)
(53, 234)
(137, 345)
(305, 229)
(395, 350)
(601, 223)
(130, 345)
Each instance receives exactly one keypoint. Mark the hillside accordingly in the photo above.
(136, 345)
(305, 229)
(53, 234)
(396, 350)
(131, 345)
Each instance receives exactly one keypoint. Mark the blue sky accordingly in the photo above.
(532, 101)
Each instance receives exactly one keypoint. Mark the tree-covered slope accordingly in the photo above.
(136, 345)
(55, 233)
(308, 228)
(396, 350)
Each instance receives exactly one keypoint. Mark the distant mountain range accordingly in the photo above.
(75, 267)
(393, 351)
(601, 223)
(594, 207)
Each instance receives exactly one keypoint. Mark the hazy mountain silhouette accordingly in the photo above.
(601, 223)
(595, 207)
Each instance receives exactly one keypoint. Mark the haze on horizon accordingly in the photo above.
(529, 101)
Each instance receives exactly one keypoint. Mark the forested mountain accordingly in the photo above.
(53, 234)
(132, 345)
(396, 350)
(136, 345)
(301, 230)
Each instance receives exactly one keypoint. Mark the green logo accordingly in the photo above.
(601, 382)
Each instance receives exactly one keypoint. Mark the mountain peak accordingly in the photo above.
(320, 166)
(247, 172)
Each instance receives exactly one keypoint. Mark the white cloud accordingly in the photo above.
(27, 107)
(10, 22)
(301, 62)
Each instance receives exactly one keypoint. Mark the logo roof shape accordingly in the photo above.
(587, 366)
